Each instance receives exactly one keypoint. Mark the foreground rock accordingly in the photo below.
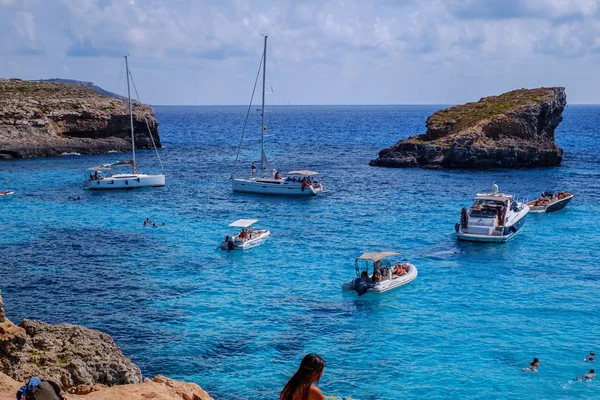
(513, 130)
(159, 388)
(51, 118)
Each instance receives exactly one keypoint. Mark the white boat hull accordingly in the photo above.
(280, 187)
(125, 181)
(6, 194)
(495, 234)
(247, 244)
(386, 284)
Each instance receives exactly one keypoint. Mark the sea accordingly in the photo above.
(238, 323)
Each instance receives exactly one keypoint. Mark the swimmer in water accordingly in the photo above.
(591, 357)
(587, 377)
(533, 365)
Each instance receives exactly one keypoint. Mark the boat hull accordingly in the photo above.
(277, 187)
(508, 232)
(386, 285)
(550, 208)
(125, 181)
(6, 194)
(239, 244)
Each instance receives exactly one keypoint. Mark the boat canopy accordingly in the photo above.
(303, 172)
(499, 197)
(243, 223)
(377, 256)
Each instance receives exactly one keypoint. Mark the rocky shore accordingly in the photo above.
(81, 360)
(39, 119)
(512, 130)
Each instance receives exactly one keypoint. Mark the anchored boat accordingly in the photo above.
(102, 178)
(247, 238)
(493, 217)
(5, 194)
(297, 183)
(549, 202)
(375, 273)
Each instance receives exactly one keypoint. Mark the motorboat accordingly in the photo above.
(102, 178)
(549, 202)
(6, 194)
(248, 238)
(375, 273)
(297, 183)
(493, 217)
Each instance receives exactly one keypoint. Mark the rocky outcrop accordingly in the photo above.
(82, 361)
(512, 130)
(51, 118)
(159, 388)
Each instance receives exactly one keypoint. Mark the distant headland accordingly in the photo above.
(50, 118)
(512, 130)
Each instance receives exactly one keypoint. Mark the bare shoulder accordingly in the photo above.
(315, 393)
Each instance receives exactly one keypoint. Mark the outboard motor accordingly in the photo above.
(361, 286)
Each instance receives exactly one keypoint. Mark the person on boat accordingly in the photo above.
(377, 276)
(300, 386)
(500, 212)
(243, 234)
(364, 274)
(400, 269)
(253, 170)
(591, 357)
(277, 176)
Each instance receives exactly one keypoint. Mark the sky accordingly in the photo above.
(320, 51)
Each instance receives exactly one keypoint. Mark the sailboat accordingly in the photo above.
(101, 177)
(297, 183)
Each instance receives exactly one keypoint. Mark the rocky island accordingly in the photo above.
(39, 119)
(512, 130)
(82, 361)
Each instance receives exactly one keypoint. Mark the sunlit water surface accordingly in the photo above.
(238, 324)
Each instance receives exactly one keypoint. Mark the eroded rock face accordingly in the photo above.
(73, 355)
(48, 119)
(513, 130)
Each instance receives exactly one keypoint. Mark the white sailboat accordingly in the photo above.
(297, 183)
(102, 178)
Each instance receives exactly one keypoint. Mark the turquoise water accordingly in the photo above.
(239, 323)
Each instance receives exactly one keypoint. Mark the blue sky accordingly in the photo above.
(320, 51)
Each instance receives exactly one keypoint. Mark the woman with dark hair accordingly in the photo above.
(300, 387)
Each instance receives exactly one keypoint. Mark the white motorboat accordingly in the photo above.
(297, 183)
(6, 194)
(493, 217)
(549, 202)
(247, 238)
(376, 274)
(102, 178)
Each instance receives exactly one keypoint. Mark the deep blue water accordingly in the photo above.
(238, 324)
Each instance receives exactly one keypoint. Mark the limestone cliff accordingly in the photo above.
(512, 130)
(51, 118)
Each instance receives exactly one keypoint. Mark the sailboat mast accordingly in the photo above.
(130, 117)
(263, 157)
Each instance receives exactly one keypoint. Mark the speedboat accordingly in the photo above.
(549, 202)
(100, 177)
(493, 217)
(247, 238)
(375, 273)
(5, 194)
(297, 183)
